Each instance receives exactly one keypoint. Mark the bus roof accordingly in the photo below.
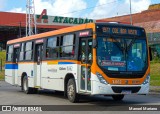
(55, 32)
(66, 30)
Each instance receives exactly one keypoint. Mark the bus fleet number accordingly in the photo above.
(116, 82)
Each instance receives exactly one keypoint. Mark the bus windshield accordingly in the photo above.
(122, 53)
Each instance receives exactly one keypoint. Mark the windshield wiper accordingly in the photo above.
(131, 44)
(121, 48)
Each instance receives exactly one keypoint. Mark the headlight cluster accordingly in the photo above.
(146, 81)
(101, 79)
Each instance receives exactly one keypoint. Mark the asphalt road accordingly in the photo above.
(11, 95)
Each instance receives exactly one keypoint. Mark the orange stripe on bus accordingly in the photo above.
(55, 32)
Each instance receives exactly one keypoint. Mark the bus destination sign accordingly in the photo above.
(120, 30)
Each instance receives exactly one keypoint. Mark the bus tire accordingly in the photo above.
(26, 89)
(34, 90)
(117, 97)
(71, 91)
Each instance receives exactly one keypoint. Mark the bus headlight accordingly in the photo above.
(146, 81)
(101, 79)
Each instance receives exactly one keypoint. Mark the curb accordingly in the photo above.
(154, 90)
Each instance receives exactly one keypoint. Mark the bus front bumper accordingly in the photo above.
(107, 89)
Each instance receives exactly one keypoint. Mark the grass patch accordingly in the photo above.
(155, 74)
(2, 75)
(3, 58)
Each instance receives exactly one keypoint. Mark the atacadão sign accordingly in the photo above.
(70, 20)
(59, 20)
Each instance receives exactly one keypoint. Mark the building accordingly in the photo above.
(149, 19)
(12, 25)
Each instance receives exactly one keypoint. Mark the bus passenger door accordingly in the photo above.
(38, 63)
(15, 63)
(86, 60)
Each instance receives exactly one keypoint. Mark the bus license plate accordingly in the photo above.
(126, 92)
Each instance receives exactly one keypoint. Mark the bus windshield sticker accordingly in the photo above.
(113, 68)
(115, 58)
(113, 63)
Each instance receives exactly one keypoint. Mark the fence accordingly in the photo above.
(154, 42)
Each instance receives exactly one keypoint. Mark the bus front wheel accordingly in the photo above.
(117, 97)
(71, 91)
(25, 87)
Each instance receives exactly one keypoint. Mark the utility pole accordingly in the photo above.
(131, 13)
(30, 18)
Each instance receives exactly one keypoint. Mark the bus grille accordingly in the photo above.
(132, 89)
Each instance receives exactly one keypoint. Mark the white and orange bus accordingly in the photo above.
(91, 59)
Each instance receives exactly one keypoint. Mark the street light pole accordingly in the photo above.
(131, 13)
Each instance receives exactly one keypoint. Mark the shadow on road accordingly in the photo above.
(94, 100)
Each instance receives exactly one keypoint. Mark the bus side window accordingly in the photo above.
(67, 48)
(16, 55)
(28, 51)
(9, 53)
(21, 55)
(52, 48)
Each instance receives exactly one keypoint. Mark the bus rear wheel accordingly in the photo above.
(117, 97)
(71, 91)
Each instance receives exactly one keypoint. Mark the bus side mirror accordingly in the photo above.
(150, 54)
(94, 43)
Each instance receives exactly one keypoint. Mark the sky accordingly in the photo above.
(93, 9)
